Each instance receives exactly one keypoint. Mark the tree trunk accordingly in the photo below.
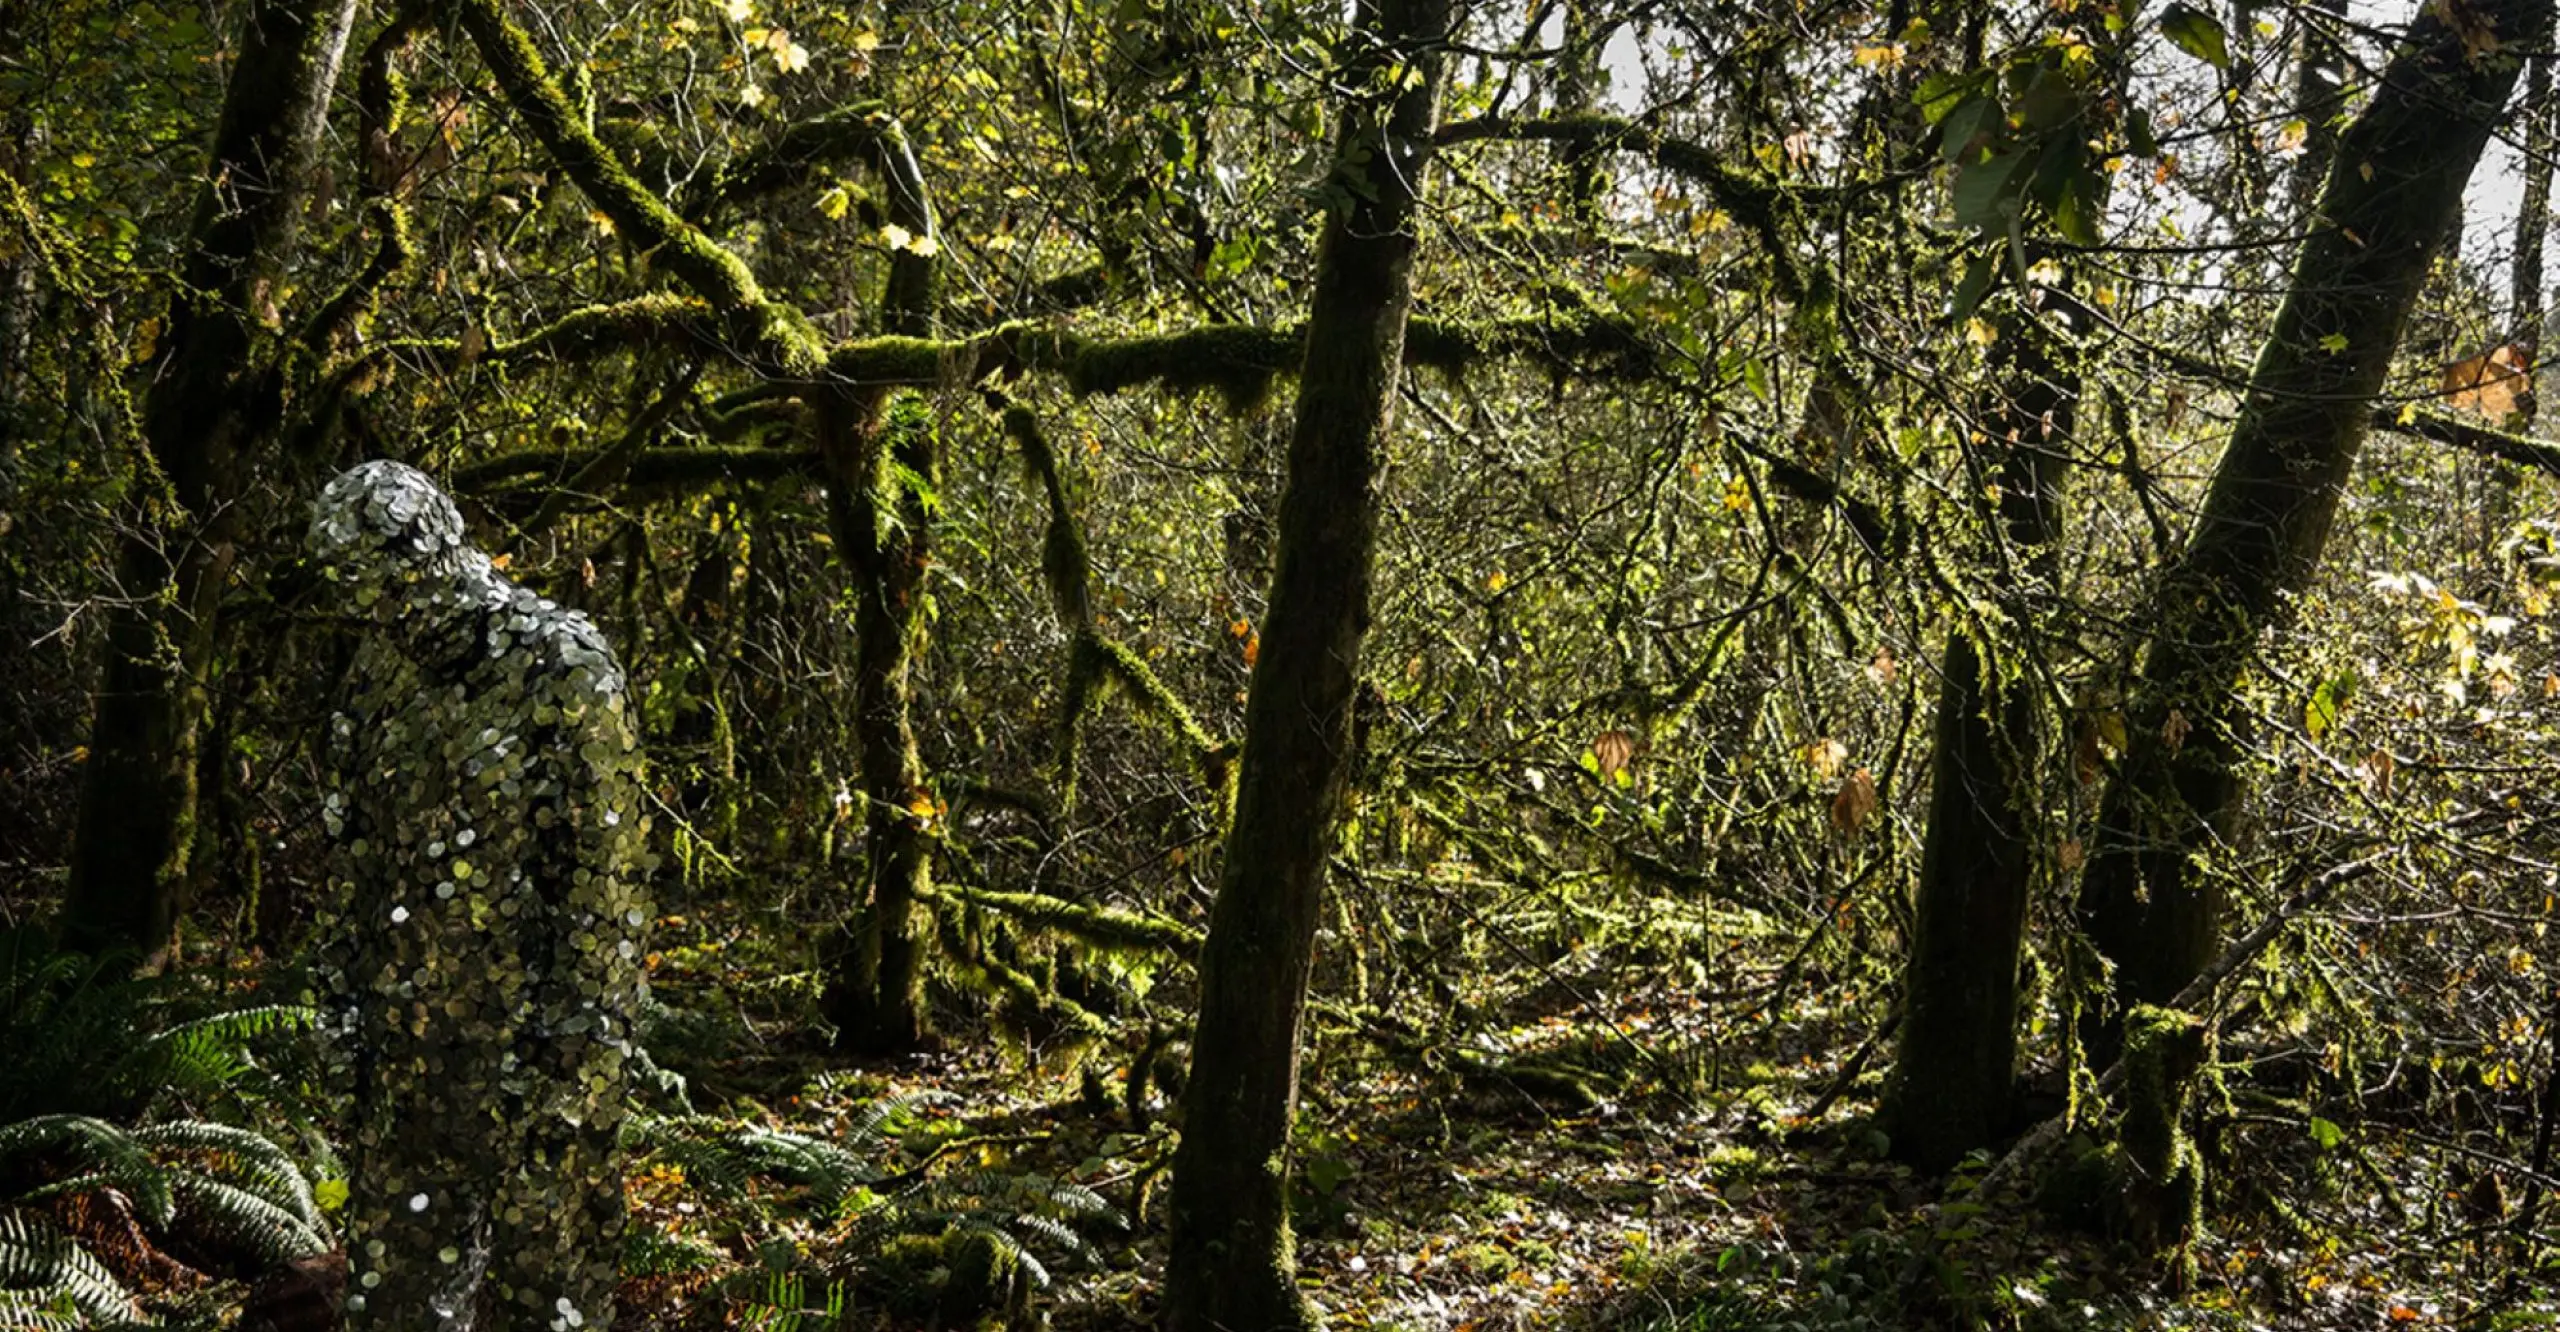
(203, 424)
(2533, 230)
(2388, 205)
(2319, 93)
(881, 477)
(880, 522)
(1231, 1266)
(1959, 1041)
(1580, 79)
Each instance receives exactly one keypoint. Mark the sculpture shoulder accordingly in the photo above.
(557, 652)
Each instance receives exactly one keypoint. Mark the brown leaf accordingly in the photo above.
(2491, 384)
(2377, 770)
(1614, 750)
(1855, 802)
(2173, 732)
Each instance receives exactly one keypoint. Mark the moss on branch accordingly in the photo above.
(778, 337)
(679, 469)
(1101, 927)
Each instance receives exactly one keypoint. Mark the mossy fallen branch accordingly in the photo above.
(1019, 998)
(1102, 927)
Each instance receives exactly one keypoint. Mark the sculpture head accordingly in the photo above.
(392, 539)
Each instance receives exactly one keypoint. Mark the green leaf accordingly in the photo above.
(2197, 33)
(2327, 703)
(2138, 135)
(1976, 285)
(1988, 189)
(2334, 343)
(1328, 1173)
(1940, 94)
(2326, 1134)
(1967, 123)
(2075, 215)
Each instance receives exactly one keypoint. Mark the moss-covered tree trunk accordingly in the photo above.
(1231, 1266)
(1956, 1059)
(882, 470)
(205, 419)
(2388, 205)
(878, 475)
(880, 463)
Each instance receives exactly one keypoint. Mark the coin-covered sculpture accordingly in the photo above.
(481, 976)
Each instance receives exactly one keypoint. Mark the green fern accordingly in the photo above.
(86, 1036)
(45, 1276)
(232, 1182)
(647, 1252)
(211, 1053)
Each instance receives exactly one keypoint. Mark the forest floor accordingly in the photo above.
(1643, 1160)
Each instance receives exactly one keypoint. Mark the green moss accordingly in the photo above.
(2081, 1183)
(660, 318)
(2164, 1189)
(1154, 698)
(898, 360)
(783, 340)
(1100, 926)
(984, 1271)
(1237, 361)
(1064, 566)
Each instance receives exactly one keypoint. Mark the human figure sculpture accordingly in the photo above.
(482, 977)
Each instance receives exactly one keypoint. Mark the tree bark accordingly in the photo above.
(880, 479)
(2319, 92)
(204, 424)
(2388, 205)
(1952, 1076)
(1580, 79)
(881, 524)
(2533, 230)
(1231, 1267)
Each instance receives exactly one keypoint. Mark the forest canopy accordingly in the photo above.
(1631, 664)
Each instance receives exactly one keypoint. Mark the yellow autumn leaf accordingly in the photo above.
(866, 41)
(836, 202)
(897, 237)
(738, 11)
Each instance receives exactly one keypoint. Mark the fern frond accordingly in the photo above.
(251, 1159)
(113, 1158)
(1057, 1233)
(654, 1253)
(272, 1232)
(40, 1262)
(828, 1170)
(34, 1311)
(877, 1118)
(209, 1053)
